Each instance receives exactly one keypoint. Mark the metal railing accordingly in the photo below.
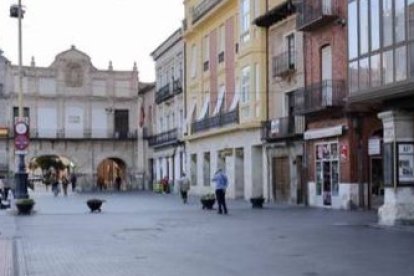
(164, 138)
(320, 96)
(315, 13)
(62, 134)
(203, 8)
(163, 94)
(284, 64)
(177, 86)
(217, 121)
(283, 128)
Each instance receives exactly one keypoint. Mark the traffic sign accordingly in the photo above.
(21, 142)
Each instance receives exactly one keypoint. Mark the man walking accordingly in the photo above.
(184, 184)
(221, 185)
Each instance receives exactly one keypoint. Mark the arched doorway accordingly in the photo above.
(111, 174)
(41, 168)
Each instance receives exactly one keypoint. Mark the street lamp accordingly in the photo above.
(21, 137)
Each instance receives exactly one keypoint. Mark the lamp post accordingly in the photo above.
(21, 129)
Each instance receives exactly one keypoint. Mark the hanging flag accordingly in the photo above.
(142, 117)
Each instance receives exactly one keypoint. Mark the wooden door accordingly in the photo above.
(281, 179)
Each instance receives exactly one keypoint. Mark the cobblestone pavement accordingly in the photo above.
(152, 234)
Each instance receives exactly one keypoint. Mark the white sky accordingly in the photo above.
(123, 31)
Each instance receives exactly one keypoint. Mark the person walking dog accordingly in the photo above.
(221, 183)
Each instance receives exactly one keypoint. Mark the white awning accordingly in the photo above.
(235, 101)
(323, 132)
(188, 119)
(204, 109)
(220, 100)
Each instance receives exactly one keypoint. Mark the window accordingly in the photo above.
(410, 14)
(399, 20)
(375, 25)
(387, 31)
(363, 74)
(291, 50)
(193, 61)
(352, 30)
(353, 76)
(363, 15)
(375, 70)
(222, 43)
(193, 169)
(206, 51)
(388, 67)
(245, 84)
(400, 63)
(245, 20)
(327, 171)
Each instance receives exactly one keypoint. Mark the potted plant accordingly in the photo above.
(208, 201)
(25, 206)
(257, 202)
(95, 204)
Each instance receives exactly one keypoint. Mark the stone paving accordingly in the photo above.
(153, 234)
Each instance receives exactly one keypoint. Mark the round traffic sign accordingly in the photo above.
(21, 142)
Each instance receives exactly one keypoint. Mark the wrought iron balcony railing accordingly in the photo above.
(177, 86)
(320, 96)
(203, 8)
(284, 64)
(217, 121)
(165, 138)
(86, 134)
(283, 128)
(163, 94)
(316, 13)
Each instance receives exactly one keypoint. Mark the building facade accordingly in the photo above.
(225, 94)
(166, 138)
(381, 74)
(333, 139)
(79, 116)
(282, 132)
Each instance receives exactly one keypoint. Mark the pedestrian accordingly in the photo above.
(165, 185)
(221, 183)
(184, 185)
(73, 180)
(118, 182)
(65, 184)
(2, 191)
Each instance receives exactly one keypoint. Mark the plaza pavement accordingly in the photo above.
(154, 234)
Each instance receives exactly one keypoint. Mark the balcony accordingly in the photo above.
(164, 139)
(203, 8)
(283, 128)
(163, 94)
(4, 167)
(177, 87)
(322, 96)
(314, 14)
(220, 120)
(87, 134)
(284, 64)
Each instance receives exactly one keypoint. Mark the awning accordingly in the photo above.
(235, 101)
(323, 132)
(204, 109)
(220, 101)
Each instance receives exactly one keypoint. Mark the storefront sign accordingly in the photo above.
(406, 163)
(374, 146)
(323, 132)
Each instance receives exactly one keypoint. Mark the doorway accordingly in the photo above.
(281, 179)
(376, 182)
(109, 170)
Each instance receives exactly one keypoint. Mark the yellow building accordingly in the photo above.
(225, 93)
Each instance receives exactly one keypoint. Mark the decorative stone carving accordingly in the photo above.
(74, 75)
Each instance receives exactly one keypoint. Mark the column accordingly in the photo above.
(398, 168)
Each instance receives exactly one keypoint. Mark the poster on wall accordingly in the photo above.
(406, 163)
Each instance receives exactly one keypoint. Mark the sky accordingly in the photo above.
(121, 31)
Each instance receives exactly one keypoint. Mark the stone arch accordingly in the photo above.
(109, 171)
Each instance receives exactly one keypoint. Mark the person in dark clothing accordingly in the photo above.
(221, 182)
(118, 182)
(73, 180)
